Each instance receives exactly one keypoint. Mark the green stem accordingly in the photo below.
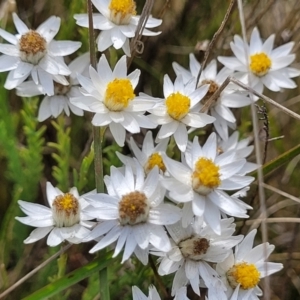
(98, 133)
(98, 159)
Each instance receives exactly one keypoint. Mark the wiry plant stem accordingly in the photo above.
(27, 276)
(98, 133)
(260, 176)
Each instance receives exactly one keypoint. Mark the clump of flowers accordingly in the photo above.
(173, 199)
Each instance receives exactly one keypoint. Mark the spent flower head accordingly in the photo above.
(118, 22)
(133, 212)
(35, 53)
(64, 220)
(194, 249)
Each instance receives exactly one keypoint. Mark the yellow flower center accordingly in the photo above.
(119, 93)
(194, 248)
(260, 64)
(154, 160)
(206, 176)
(244, 274)
(178, 105)
(65, 209)
(133, 208)
(121, 11)
(32, 47)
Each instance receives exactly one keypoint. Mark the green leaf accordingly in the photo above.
(70, 279)
(279, 161)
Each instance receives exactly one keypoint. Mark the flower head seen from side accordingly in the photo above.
(35, 53)
(242, 271)
(230, 97)
(64, 220)
(259, 65)
(60, 101)
(200, 183)
(110, 95)
(149, 156)
(133, 212)
(180, 109)
(194, 249)
(137, 294)
(118, 22)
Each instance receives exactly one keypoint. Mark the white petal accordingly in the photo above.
(164, 214)
(118, 132)
(63, 48)
(38, 234)
(49, 28)
(10, 50)
(181, 137)
(8, 37)
(20, 25)
(168, 86)
(55, 237)
(108, 239)
(8, 63)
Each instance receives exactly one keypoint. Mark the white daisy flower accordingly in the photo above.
(200, 182)
(118, 22)
(60, 101)
(268, 67)
(242, 271)
(149, 156)
(194, 249)
(241, 149)
(35, 53)
(230, 97)
(110, 95)
(137, 294)
(64, 220)
(132, 212)
(179, 109)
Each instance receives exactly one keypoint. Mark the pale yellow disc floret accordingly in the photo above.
(178, 105)
(65, 210)
(121, 11)
(133, 208)
(154, 159)
(260, 64)
(32, 47)
(206, 176)
(194, 247)
(244, 274)
(118, 95)
(213, 87)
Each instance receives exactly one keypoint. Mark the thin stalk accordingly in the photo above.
(215, 38)
(98, 133)
(260, 175)
(27, 276)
